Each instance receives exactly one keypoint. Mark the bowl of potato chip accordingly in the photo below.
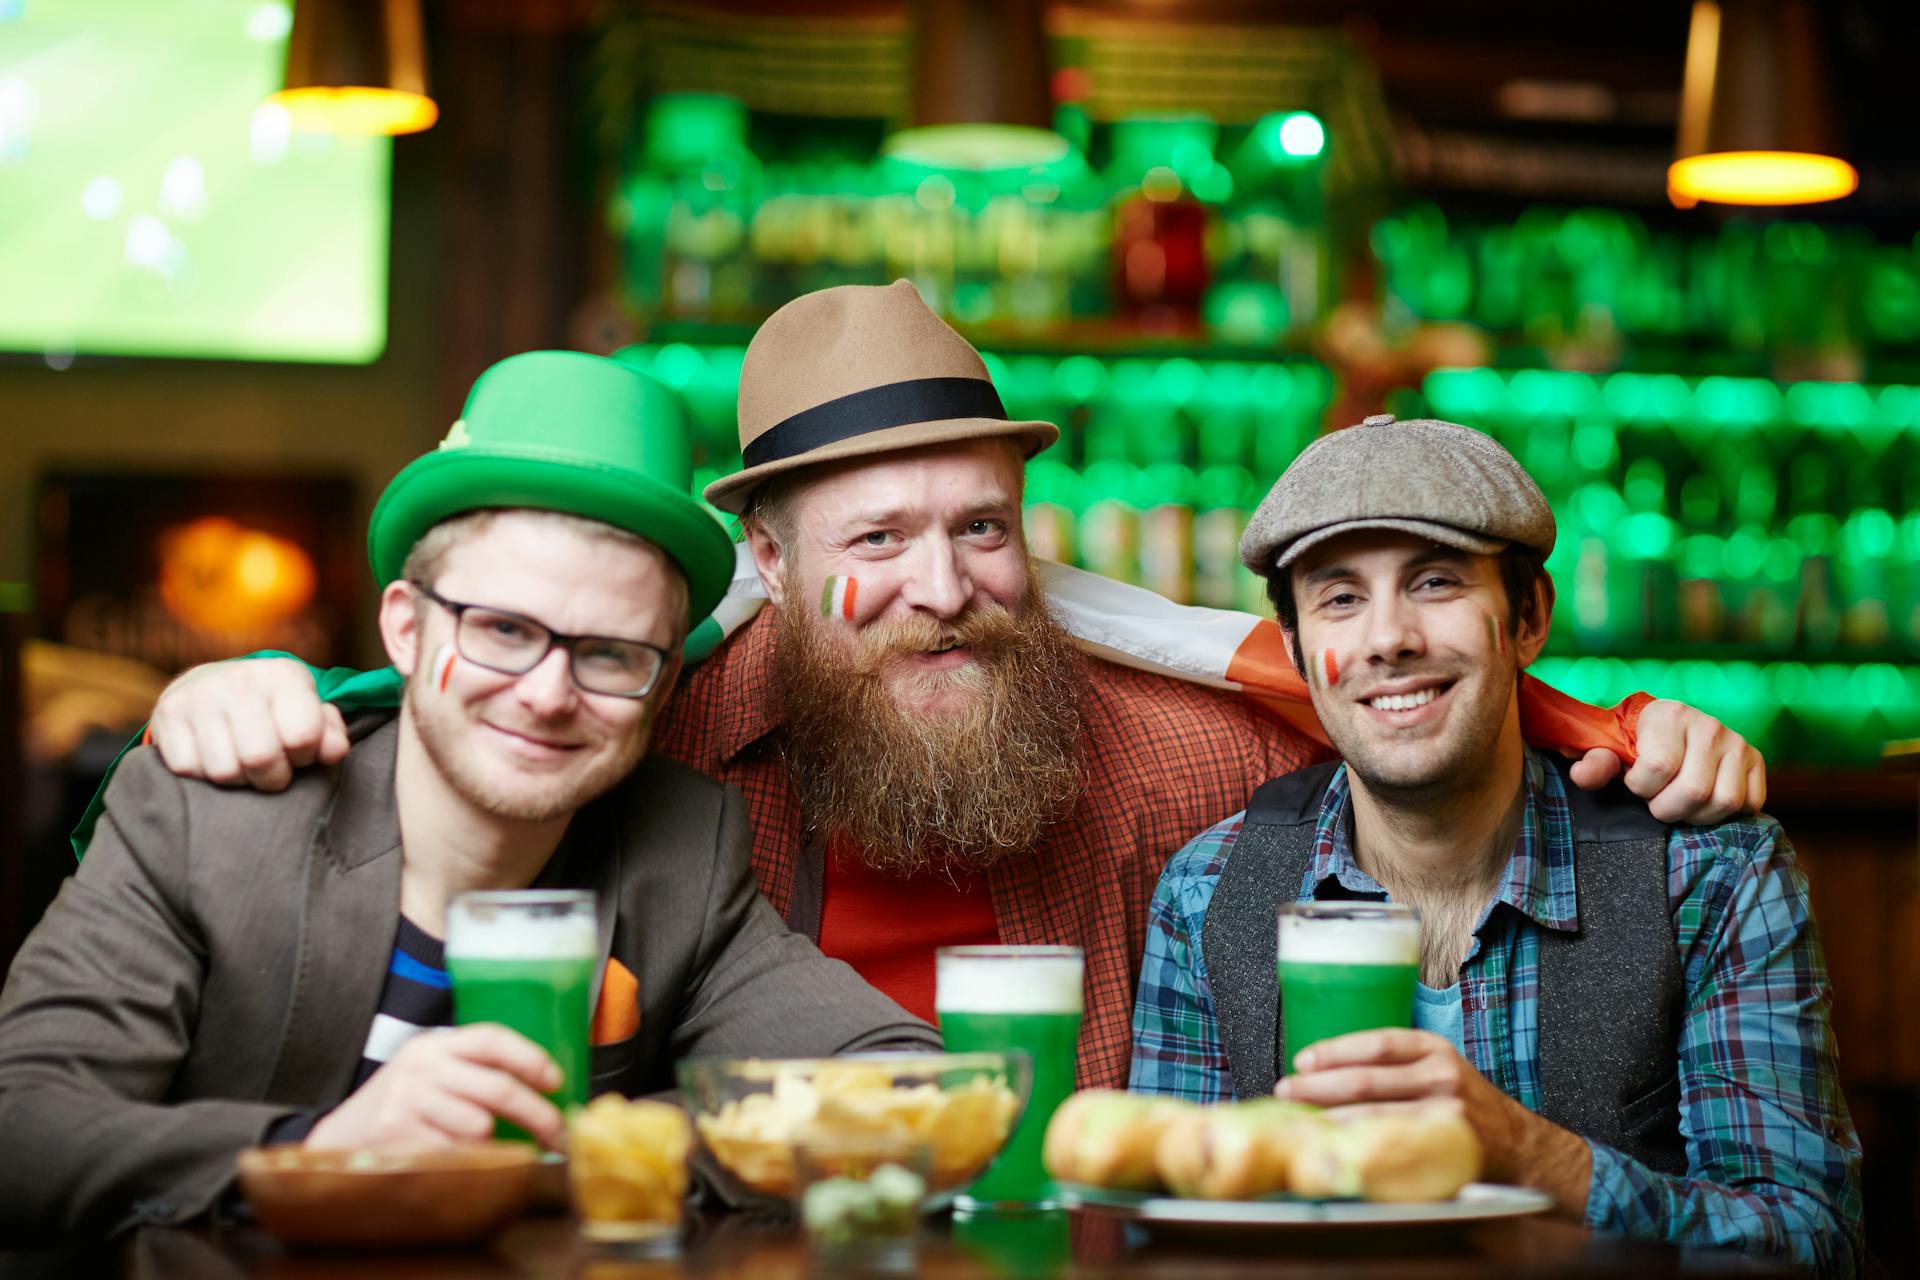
(751, 1113)
(627, 1160)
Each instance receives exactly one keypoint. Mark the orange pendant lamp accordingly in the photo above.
(356, 67)
(1756, 126)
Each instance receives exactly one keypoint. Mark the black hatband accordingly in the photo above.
(897, 404)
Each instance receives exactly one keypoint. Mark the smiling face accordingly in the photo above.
(1411, 658)
(534, 747)
(931, 539)
(930, 710)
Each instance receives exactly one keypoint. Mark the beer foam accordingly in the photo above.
(509, 937)
(1029, 984)
(1386, 941)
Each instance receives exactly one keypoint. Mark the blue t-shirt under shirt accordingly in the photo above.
(1438, 1010)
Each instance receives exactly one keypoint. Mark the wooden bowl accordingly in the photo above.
(398, 1197)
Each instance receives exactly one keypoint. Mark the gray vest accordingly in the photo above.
(1610, 993)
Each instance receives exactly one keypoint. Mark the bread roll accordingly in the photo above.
(1106, 1138)
(1417, 1152)
(1233, 1151)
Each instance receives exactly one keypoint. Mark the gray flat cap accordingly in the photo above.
(1436, 479)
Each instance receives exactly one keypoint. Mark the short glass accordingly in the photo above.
(1345, 966)
(525, 958)
(627, 1162)
(861, 1197)
(1015, 998)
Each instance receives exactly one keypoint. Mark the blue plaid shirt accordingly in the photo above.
(1773, 1163)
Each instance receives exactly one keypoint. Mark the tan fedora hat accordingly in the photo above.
(857, 370)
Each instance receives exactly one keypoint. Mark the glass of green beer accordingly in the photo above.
(1025, 998)
(525, 958)
(1345, 966)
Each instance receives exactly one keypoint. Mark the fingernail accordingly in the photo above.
(1304, 1060)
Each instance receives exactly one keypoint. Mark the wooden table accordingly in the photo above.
(1065, 1246)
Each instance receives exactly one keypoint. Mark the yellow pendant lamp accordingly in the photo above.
(1756, 126)
(356, 67)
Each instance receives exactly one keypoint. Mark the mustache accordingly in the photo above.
(987, 629)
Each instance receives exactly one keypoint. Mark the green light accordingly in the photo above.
(976, 148)
(1295, 134)
(1717, 398)
(688, 130)
(1646, 485)
(1272, 386)
(1813, 533)
(1178, 379)
(1701, 556)
(1671, 398)
(1250, 311)
(678, 364)
(1182, 145)
(1531, 391)
(1130, 381)
(1626, 395)
(1743, 555)
(1080, 378)
(1870, 533)
(1595, 447)
(1783, 560)
(1647, 536)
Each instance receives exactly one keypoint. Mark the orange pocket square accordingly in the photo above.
(619, 1013)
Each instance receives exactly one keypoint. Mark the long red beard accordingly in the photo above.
(911, 791)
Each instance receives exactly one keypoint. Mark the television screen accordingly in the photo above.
(150, 204)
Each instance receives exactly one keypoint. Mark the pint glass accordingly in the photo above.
(1029, 998)
(525, 959)
(1345, 966)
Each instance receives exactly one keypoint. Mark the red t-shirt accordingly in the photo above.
(887, 927)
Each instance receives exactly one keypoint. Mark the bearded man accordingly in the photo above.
(928, 758)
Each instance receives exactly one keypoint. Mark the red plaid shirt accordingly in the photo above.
(1165, 759)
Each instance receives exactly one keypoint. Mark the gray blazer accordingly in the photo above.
(216, 962)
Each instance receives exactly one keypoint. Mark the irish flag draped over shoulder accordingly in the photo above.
(1221, 648)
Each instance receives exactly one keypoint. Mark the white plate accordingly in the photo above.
(1477, 1202)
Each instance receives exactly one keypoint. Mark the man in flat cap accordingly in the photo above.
(1633, 1014)
(928, 757)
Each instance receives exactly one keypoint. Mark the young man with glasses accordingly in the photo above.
(231, 968)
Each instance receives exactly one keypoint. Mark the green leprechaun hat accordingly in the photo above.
(563, 431)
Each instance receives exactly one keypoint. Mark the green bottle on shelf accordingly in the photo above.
(1052, 514)
(1166, 531)
(1225, 504)
(1110, 522)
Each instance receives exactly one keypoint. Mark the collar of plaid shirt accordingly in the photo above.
(1539, 882)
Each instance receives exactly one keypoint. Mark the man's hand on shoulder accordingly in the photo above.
(1689, 767)
(447, 1086)
(246, 723)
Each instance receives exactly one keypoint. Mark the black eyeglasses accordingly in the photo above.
(514, 644)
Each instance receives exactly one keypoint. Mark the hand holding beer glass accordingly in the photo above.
(525, 959)
(1345, 966)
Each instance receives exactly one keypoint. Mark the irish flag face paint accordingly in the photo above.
(837, 598)
(1325, 669)
(443, 666)
(1497, 635)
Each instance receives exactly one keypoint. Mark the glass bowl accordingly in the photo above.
(750, 1113)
